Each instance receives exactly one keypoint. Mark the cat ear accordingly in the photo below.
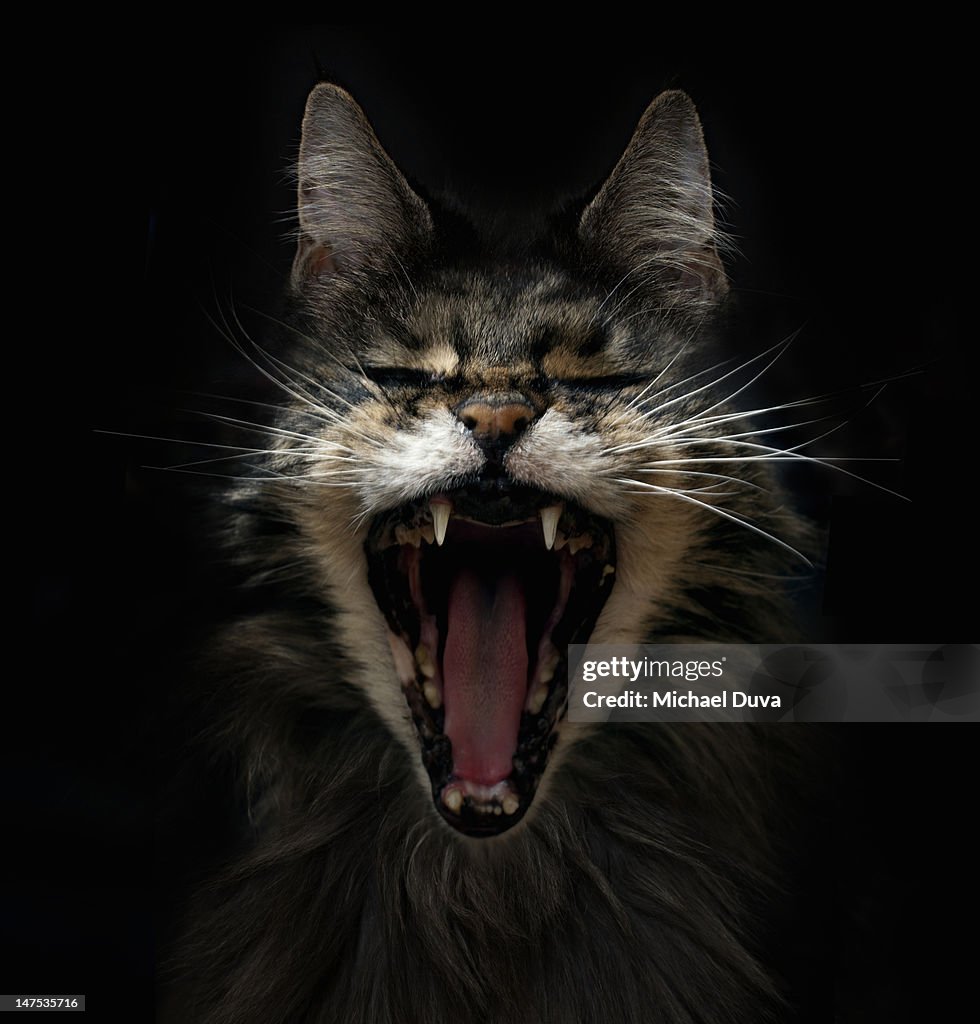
(654, 213)
(356, 210)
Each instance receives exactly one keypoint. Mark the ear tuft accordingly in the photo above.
(357, 213)
(654, 213)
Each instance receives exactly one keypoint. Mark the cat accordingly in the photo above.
(489, 448)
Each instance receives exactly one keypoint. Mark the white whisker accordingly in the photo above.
(783, 455)
(716, 476)
(667, 491)
(781, 346)
(639, 398)
(694, 422)
(271, 430)
(294, 373)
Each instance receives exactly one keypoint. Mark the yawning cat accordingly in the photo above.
(489, 449)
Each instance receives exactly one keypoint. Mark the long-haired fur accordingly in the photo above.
(633, 888)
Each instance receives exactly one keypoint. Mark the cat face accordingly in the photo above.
(492, 451)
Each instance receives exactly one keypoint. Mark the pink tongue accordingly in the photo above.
(484, 674)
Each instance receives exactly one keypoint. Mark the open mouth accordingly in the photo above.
(483, 588)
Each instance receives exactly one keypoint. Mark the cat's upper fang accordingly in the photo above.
(440, 509)
(549, 523)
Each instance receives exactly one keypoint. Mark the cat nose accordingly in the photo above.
(488, 420)
(495, 422)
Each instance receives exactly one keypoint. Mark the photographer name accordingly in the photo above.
(680, 699)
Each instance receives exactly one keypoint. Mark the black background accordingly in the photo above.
(848, 198)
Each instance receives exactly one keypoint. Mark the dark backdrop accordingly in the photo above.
(846, 201)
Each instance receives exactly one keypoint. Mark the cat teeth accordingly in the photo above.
(510, 804)
(549, 524)
(453, 799)
(440, 511)
(431, 692)
(547, 664)
(424, 661)
(432, 695)
(574, 544)
(536, 701)
(403, 535)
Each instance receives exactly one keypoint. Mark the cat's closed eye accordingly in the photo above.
(400, 376)
(606, 382)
